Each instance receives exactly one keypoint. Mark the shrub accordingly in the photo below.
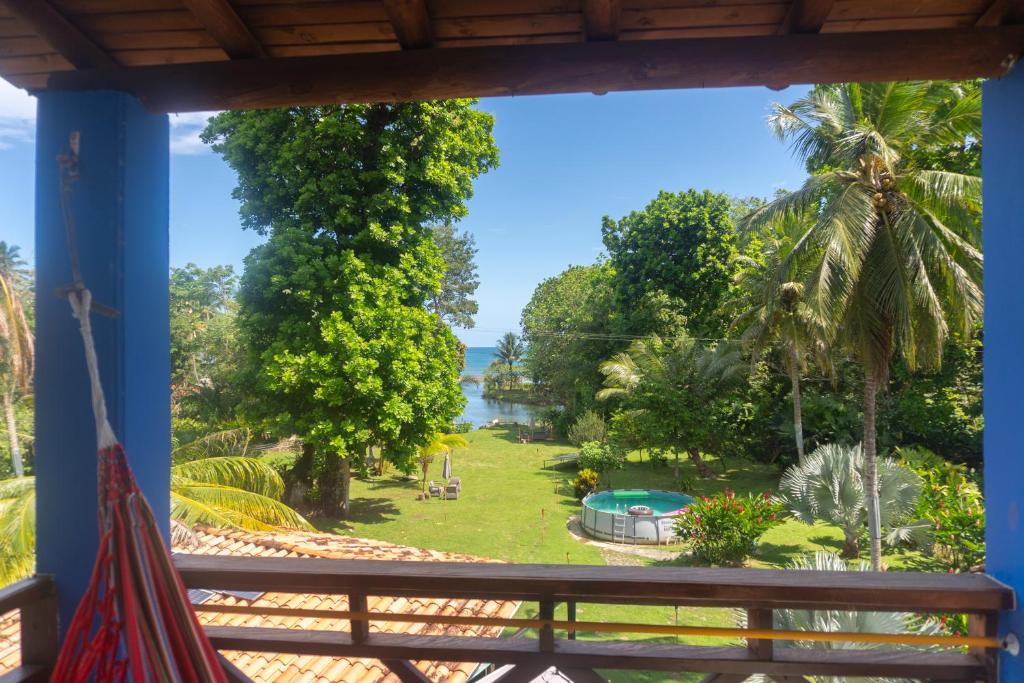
(463, 427)
(954, 508)
(585, 482)
(589, 426)
(601, 457)
(723, 529)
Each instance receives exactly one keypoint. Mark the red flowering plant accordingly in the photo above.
(723, 529)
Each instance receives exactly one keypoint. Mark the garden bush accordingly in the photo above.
(585, 483)
(601, 457)
(589, 426)
(723, 529)
(952, 504)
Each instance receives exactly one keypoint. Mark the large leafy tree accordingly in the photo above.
(774, 316)
(897, 267)
(673, 388)
(567, 327)
(204, 344)
(454, 301)
(680, 246)
(341, 348)
(17, 351)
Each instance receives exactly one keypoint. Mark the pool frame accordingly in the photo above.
(652, 529)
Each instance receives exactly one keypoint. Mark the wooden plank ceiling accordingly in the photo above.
(204, 54)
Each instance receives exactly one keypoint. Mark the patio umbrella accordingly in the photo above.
(446, 471)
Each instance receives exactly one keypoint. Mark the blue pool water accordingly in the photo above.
(660, 502)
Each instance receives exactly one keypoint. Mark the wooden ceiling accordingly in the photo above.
(180, 55)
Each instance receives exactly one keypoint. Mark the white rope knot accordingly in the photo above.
(80, 299)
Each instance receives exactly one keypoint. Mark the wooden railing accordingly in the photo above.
(759, 592)
(36, 601)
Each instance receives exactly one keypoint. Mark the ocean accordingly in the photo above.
(480, 411)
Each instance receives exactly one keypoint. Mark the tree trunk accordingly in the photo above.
(346, 482)
(703, 471)
(12, 434)
(329, 484)
(871, 468)
(851, 547)
(798, 418)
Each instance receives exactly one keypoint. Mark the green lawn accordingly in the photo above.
(511, 509)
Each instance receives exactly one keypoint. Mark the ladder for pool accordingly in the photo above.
(619, 528)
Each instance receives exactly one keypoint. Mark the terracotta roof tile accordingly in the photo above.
(289, 668)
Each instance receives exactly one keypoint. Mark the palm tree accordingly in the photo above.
(17, 354)
(671, 385)
(775, 314)
(440, 444)
(509, 352)
(894, 244)
(226, 492)
(829, 485)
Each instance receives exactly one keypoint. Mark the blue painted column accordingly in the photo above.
(1003, 226)
(120, 209)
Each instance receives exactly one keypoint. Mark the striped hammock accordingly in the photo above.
(135, 621)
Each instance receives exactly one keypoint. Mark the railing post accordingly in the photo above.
(40, 642)
(360, 627)
(570, 608)
(760, 620)
(547, 633)
(985, 625)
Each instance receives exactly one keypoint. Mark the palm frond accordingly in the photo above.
(248, 474)
(225, 506)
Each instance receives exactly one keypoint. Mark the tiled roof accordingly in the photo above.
(284, 668)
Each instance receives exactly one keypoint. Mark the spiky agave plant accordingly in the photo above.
(839, 621)
(830, 485)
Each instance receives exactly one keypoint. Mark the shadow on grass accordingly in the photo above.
(828, 543)
(778, 554)
(378, 484)
(361, 510)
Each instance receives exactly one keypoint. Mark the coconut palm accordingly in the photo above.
(894, 243)
(440, 444)
(776, 316)
(838, 621)
(673, 384)
(226, 492)
(829, 485)
(17, 353)
(509, 353)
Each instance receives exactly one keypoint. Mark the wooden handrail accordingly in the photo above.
(745, 588)
(26, 592)
(36, 600)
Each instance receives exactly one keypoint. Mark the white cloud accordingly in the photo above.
(18, 115)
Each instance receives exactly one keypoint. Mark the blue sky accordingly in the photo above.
(566, 161)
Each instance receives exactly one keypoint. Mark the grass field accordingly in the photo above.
(514, 510)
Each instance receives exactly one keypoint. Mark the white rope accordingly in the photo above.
(81, 305)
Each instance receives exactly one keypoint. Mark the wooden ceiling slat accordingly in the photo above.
(581, 67)
(331, 48)
(328, 33)
(806, 16)
(290, 15)
(15, 28)
(24, 46)
(876, 9)
(155, 40)
(549, 39)
(701, 16)
(158, 57)
(702, 32)
(75, 7)
(222, 22)
(899, 24)
(601, 19)
(480, 27)
(131, 22)
(64, 36)
(442, 9)
(34, 64)
(689, 4)
(411, 23)
(1002, 11)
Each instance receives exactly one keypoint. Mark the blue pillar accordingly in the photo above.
(120, 209)
(1003, 171)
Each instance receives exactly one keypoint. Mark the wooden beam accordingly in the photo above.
(601, 19)
(405, 671)
(806, 16)
(626, 655)
(439, 73)
(224, 25)
(63, 36)
(411, 21)
(1001, 12)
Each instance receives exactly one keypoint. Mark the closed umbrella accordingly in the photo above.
(446, 471)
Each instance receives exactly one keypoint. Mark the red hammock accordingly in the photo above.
(135, 619)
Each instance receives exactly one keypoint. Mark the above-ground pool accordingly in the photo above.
(633, 515)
